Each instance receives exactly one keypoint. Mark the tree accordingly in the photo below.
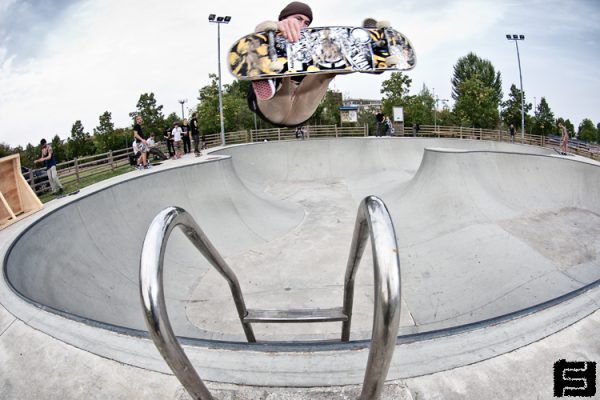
(151, 113)
(477, 105)
(544, 123)
(511, 108)
(236, 113)
(472, 67)
(80, 142)
(208, 108)
(328, 110)
(477, 89)
(587, 131)
(419, 109)
(105, 136)
(5, 150)
(394, 90)
(598, 130)
(29, 155)
(58, 149)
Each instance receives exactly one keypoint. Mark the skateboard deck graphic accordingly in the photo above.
(335, 49)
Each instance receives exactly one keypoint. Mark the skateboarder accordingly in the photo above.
(564, 138)
(50, 161)
(289, 101)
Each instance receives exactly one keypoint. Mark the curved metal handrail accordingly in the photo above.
(153, 299)
(374, 219)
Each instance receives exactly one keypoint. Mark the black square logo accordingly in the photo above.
(574, 378)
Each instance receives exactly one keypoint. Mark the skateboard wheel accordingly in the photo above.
(267, 26)
(276, 66)
(392, 61)
(383, 24)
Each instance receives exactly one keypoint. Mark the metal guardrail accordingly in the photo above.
(373, 220)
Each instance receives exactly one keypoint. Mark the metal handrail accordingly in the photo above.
(374, 219)
(153, 298)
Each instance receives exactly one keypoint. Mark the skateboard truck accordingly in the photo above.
(271, 27)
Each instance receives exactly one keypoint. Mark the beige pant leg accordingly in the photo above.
(295, 103)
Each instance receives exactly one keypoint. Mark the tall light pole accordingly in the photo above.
(220, 20)
(516, 39)
(182, 102)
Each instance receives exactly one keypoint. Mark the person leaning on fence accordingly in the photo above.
(379, 118)
(50, 162)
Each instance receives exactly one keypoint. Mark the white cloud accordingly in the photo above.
(101, 55)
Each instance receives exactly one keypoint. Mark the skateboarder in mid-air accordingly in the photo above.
(289, 101)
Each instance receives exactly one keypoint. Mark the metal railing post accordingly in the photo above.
(373, 219)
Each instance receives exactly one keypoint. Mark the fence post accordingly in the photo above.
(307, 133)
(336, 131)
(110, 160)
(278, 133)
(76, 169)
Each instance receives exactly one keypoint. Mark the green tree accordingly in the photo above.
(30, 154)
(236, 114)
(511, 108)
(5, 150)
(587, 131)
(598, 130)
(544, 123)
(477, 89)
(208, 108)
(328, 110)
(104, 134)
(472, 67)
(151, 113)
(58, 149)
(80, 142)
(477, 105)
(419, 109)
(394, 90)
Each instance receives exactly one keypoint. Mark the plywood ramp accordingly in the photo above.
(17, 198)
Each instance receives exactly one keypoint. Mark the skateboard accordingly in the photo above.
(330, 49)
(60, 196)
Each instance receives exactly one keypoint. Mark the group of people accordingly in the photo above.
(177, 137)
(181, 136)
(384, 125)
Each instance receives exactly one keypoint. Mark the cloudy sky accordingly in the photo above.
(68, 60)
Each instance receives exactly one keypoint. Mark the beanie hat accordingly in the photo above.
(296, 7)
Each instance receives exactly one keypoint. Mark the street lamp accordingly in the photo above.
(182, 102)
(516, 39)
(220, 20)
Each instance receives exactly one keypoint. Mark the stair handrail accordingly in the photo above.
(153, 298)
(373, 219)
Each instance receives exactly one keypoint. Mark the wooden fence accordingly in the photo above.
(76, 170)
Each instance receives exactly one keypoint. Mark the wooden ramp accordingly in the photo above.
(17, 198)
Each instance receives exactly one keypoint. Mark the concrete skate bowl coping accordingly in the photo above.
(499, 246)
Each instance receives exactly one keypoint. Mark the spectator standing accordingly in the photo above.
(50, 162)
(512, 132)
(176, 132)
(185, 136)
(195, 134)
(140, 140)
(168, 137)
(564, 138)
(379, 119)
